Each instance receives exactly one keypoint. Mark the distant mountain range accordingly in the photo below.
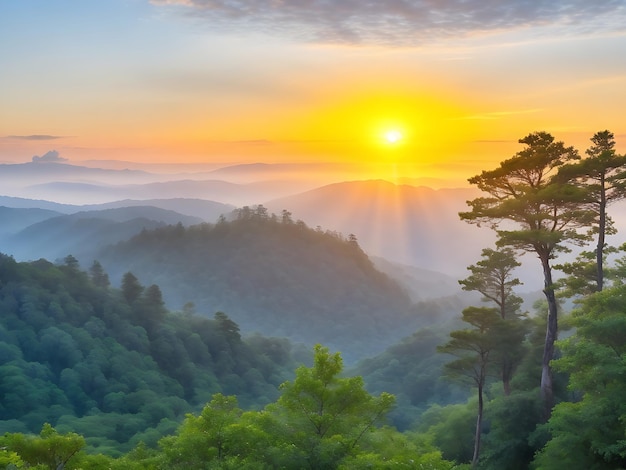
(420, 284)
(208, 211)
(72, 184)
(412, 225)
(81, 234)
(15, 220)
(415, 226)
(214, 190)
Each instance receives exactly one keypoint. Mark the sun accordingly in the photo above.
(393, 136)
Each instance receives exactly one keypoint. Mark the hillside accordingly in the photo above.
(82, 233)
(421, 284)
(115, 365)
(16, 219)
(274, 276)
(412, 225)
(207, 211)
(413, 371)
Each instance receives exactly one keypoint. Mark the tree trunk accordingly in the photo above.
(601, 234)
(479, 427)
(506, 377)
(547, 393)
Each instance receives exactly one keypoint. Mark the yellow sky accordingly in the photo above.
(143, 82)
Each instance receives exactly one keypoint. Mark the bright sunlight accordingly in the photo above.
(393, 136)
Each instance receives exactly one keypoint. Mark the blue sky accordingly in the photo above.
(308, 80)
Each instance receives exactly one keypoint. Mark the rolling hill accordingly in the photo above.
(276, 277)
(17, 219)
(412, 225)
(82, 234)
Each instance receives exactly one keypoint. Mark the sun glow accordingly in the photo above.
(393, 136)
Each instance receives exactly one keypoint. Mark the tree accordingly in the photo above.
(205, 438)
(492, 277)
(473, 348)
(286, 217)
(131, 288)
(71, 262)
(149, 310)
(603, 176)
(583, 274)
(326, 416)
(98, 276)
(547, 213)
(590, 433)
(49, 450)
(229, 328)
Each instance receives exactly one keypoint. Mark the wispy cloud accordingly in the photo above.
(401, 22)
(35, 137)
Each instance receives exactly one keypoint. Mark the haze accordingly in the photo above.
(190, 81)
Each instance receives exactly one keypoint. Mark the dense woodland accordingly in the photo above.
(275, 276)
(114, 364)
(96, 376)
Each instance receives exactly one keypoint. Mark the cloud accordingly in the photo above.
(400, 22)
(49, 157)
(35, 137)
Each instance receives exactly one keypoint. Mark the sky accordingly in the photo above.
(304, 81)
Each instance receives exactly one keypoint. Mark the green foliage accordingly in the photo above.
(49, 450)
(321, 421)
(591, 432)
(546, 212)
(602, 176)
(581, 276)
(273, 276)
(511, 421)
(205, 438)
(328, 415)
(412, 370)
(450, 429)
(79, 356)
(131, 288)
(98, 276)
(387, 449)
(523, 189)
(492, 277)
(473, 346)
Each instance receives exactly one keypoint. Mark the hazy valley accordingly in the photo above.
(120, 317)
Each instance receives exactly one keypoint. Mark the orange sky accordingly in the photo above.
(177, 81)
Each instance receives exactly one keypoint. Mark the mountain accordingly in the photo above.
(83, 233)
(208, 211)
(412, 225)
(250, 172)
(421, 284)
(276, 277)
(75, 184)
(16, 219)
(27, 203)
(213, 190)
(46, 171)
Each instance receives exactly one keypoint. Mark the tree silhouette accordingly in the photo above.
(541, 214)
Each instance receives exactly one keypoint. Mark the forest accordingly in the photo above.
(102, 377)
